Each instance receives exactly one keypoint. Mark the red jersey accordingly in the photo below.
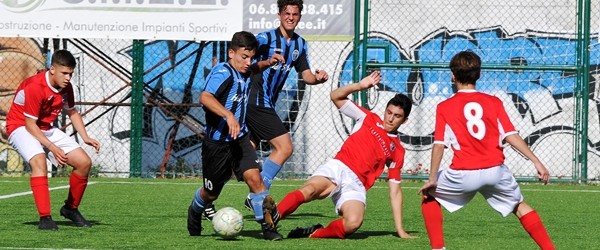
(369, 147)
(37, 99)
(474, 125)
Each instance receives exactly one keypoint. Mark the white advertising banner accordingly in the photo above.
(330, 20)
(122, 19)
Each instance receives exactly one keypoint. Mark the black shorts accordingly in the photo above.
(221, 159)
(264, 123)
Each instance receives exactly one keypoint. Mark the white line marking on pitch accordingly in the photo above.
(29, 192)
(280, 185)
(31, 248)
(299, 185)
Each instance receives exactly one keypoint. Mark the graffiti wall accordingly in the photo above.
(541, 103)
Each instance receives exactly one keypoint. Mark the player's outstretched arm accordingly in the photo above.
(211, 103)
(397, 204)
(78, 124)
(320, 76)
(261, 66)
(520, 145)
(339, 96)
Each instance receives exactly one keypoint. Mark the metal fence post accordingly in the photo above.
(137, 103)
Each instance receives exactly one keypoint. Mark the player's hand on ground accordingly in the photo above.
(405, 235)
(59, 154)
(234, 126)
(370, 80)
(93, 142)
(543, 173)
(321, 76)
(429, 185)
(275, 59)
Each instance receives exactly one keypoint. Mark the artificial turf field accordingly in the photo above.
(151, 214)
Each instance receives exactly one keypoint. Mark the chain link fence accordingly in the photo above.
(592, 144)
(529, 50)
(101, 85)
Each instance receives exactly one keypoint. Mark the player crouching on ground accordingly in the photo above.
(346, 178)
(36, 105)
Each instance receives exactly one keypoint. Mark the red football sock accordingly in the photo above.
(41, 194)
(77, 185)
(335, 229)
(290, 203)
(432, 215)
(534, 226)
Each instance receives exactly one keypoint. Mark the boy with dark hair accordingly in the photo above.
(474, 125)
(291, 52)
(226, 148)
(36, 105)
(372, 145)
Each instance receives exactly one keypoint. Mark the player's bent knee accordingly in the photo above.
(254, 180)
(352, 225)
(209, 196)
(38, 160)
(288, 151)
(252, 176)
(283, 144)
(284, 150)
(310, 192)
(38, 165)
(522, 209)
(79, 159)
(82, 164)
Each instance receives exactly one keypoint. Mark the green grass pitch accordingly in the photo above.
(151, 214)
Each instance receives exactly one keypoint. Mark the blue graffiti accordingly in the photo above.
(383, 52)
(495, 47)
(173, 73)
(172, 62)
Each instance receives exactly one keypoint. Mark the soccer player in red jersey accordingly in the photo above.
(372, 144)
(36, 105)
(474, 125)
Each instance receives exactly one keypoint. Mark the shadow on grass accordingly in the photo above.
(63, 223)
(366, 234)
(257, 234)
(293, 216)
(252, 234)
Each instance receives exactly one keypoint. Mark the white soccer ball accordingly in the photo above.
(228, 222)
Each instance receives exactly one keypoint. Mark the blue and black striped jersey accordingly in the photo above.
(230, 88)
(266, 86)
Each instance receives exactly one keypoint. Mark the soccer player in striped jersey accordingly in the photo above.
(292, 52)
(226, 147)
(474, 124)
(372, 145)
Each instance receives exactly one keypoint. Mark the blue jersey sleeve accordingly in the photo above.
(303, 62)
(263, 46)
(216, 78)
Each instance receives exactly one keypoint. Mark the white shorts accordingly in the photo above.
(349, 187)
(27, 146)
(497, 185)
